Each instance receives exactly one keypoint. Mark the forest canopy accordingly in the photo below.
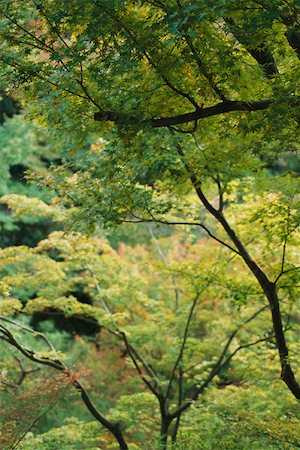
(150, 223)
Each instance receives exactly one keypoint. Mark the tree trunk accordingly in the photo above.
(164, 433)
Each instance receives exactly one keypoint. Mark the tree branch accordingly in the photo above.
(201, 113)
(8, 337)
(30, 330)
(197, 224)
(200, 63)
(185, 335)
(153, 389)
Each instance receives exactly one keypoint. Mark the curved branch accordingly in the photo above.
(194, 224)
(199, 113)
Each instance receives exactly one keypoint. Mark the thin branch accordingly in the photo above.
(133, 38)
(286, 236)
(161, 254)
(23, 374)
(18, 67)
(147, 367)
(140, 372)
(50, 49)
(60, 37)
(215, 371)
(284, 272)
(30, 330)
(221, 195)
(200, 63)
(198, 224)
(191, 131)
(185, 335)
(56, 364)
(117, 333)
(51, 406)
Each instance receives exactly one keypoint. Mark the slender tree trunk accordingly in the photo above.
(164, 422)
(180, 396)
(164, 433)
(270, 292)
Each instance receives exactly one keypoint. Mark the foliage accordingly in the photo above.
(21, 150)
(24, 408)
(142, 291)
(173, 113)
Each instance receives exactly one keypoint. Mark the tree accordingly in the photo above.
(133, 307)
(194, 100)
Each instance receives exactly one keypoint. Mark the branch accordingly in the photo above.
(199, 113)
(41, 45)
(8, 337)
(293, 37)
(200, 63)
(220, 194)
(102, 301)
(140, 48)
(283, 272)
(129, 349)
(117, 333)
(286, 236)
(262, 55)
(161, 254)
(30, 330)
(198, 224)
(185, 335)
(22, 376)
(51, 405)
